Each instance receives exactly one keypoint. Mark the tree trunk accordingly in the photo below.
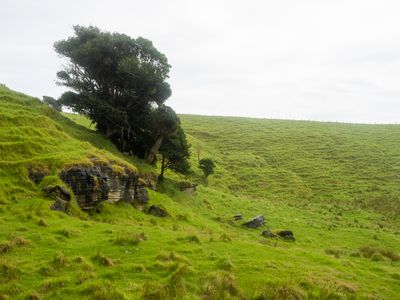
(161, 177)
(151, 154)
(110, 132)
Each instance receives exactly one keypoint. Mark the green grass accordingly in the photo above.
(334, 185)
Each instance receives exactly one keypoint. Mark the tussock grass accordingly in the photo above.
(60, 260)
(281, 291)
(8, 246)
(129, 238)
(103, 290)
(53, 284)
(377, 253)
(67, 232)
(221, 286)
(336, 252)
(103, 260)
(8, 271)
(171, 256)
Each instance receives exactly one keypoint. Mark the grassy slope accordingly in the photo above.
(295, 174)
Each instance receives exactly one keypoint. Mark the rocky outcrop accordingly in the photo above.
(255, 222)
(141, 195)
(61, 196)
(149, 180)
(36, 175)
(92, 185)
(157, 211)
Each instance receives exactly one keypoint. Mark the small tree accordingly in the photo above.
(50, 101)
(207, 165)
(175, 154)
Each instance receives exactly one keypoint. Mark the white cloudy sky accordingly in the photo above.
(336, 60)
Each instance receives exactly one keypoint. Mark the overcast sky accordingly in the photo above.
(319, 60)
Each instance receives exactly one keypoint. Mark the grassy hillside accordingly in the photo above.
(302, 162)
(323, 181)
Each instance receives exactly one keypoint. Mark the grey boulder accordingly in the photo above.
(256, 222)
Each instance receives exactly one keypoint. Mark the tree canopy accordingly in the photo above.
(120, 83)
(207, 165)
(175, 154)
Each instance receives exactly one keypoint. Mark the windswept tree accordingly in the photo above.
(207, 165)
(120, 83)
(175, 154)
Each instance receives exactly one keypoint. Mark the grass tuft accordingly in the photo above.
(8, 271)
(128, 238)
(369, 251)
(103, 290)
(103, 260)
(220, 286)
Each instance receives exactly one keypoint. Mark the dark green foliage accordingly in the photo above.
(207, 165)
(119, 83)
(175, 154)
(57, 105)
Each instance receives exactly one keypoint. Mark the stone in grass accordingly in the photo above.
(157, 211)
(61, 196)
(238, 217)
(255, 222)
(268, 234)
(286, 234)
